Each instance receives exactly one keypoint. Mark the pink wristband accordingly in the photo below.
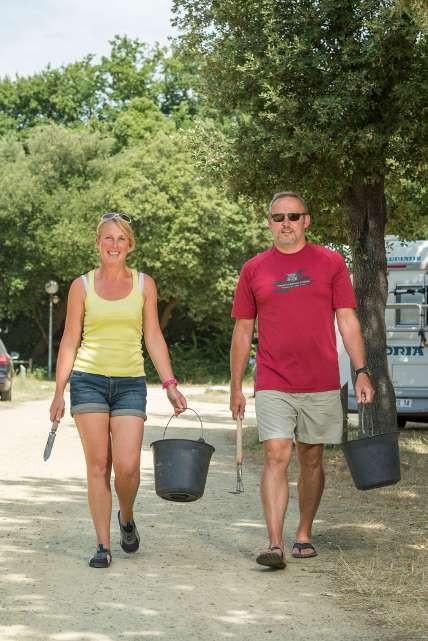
(170, 381)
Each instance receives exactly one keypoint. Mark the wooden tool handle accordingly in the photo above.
(238, 441)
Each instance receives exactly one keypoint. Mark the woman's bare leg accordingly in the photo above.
(94, 431)
(127, 439)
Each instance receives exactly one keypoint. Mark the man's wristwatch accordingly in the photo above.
(362, 370)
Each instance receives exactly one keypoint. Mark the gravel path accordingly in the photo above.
(195, 576)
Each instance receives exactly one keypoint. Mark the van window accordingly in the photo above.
(410, 294)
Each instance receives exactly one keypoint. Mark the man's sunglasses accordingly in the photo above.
(279, 218)
(112, 215)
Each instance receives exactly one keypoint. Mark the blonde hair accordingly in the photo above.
(123, 226)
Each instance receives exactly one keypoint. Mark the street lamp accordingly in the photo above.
(51, 288)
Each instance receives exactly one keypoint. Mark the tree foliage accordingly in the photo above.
(92, 136)
(323, 94)
(87, 91)
(56, 183)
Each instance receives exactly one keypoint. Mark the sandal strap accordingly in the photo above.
(277, 547)
(303, 546)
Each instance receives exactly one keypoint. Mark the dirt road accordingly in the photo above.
(195, 576)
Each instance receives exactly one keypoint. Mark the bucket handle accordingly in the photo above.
(192, 410)
(363, 420)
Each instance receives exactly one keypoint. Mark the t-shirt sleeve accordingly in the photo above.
(244, 304)
(343, 292)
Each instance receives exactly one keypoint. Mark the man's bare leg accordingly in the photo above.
(274, 487)
(310, 487)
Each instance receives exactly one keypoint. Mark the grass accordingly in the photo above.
(28, 389)
(379, 539)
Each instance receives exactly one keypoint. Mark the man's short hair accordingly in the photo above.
(288, 194)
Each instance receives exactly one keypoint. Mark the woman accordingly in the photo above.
(113, 305)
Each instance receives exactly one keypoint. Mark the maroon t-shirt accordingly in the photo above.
(294, 296)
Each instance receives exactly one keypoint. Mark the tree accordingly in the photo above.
(190, 237)
(407, 195)
(55, 184)
(86, 91)
(66, 95)
(46, 218)
(327, 98)
(140, 120)
(85, 138)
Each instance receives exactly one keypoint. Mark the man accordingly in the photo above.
(295, 289)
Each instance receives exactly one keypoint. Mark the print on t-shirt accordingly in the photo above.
(295, 279)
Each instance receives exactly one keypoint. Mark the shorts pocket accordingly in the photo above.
(76, 374)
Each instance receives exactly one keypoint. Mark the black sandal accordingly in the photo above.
(101, 558)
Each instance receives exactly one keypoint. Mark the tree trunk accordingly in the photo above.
(167, 312)
(366, 208)
(41, 346)
(40, 350)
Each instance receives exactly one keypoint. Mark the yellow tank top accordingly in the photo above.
(112, 333)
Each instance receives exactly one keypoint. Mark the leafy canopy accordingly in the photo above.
(320, 95)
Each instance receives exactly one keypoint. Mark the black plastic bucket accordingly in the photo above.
(374, 461)
(181, 466)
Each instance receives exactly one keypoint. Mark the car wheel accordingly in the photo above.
(6, 396)
(401, 422)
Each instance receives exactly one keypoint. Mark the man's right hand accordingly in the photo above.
(237, 404)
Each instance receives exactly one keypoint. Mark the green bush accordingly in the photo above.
(39, 373)
(193, 364)
(206, 361)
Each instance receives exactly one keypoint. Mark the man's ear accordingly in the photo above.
(307, 221)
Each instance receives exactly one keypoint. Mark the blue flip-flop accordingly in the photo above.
(296, 550)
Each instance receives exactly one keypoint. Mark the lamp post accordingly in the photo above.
(51, 288)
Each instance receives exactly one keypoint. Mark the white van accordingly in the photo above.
(406, 319)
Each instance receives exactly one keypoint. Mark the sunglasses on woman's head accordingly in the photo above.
(279, 218)
(112, 215)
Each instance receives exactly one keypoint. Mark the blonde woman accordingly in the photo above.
(112, 306)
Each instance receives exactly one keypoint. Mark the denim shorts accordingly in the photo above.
(114, 395)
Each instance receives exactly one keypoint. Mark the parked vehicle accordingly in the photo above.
(406, 320)
(6, 373)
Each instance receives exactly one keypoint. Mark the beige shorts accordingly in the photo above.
(315, 417)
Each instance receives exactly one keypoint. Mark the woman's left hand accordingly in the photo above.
(176, 399)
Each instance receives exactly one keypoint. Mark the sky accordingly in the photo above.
(34, 33)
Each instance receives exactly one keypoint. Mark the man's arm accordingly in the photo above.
(350, 330)
(239, 354)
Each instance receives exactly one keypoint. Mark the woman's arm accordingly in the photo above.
(156, 345)
(70, 342)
